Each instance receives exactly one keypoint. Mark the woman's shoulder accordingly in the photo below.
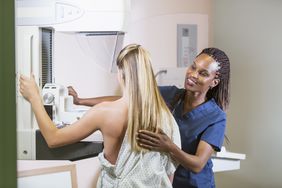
(112, 118)
(108, 109)
(109, 106)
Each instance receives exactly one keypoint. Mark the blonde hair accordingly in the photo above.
(147, 109)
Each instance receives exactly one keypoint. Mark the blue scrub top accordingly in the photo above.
(206, 122)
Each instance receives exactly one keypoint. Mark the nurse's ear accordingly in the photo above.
(214, 83)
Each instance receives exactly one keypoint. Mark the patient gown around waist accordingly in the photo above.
(138, 169)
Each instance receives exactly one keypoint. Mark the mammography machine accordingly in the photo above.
(37, 24)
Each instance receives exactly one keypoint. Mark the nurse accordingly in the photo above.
(199, 110)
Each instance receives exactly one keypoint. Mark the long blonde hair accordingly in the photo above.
(147, 109)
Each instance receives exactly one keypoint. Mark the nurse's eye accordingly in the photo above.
(204, 74)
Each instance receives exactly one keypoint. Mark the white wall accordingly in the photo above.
(154, 25)
(250, 32)
(147, 9)
(78, 64)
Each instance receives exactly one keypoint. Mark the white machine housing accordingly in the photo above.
(105, 17)
(62, 110)
(74, 15)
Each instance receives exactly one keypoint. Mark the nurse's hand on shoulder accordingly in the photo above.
(154, 141)
(29, 88)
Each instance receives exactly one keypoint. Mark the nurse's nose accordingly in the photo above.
(194, 74)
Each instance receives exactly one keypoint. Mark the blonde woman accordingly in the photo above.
(124, 163)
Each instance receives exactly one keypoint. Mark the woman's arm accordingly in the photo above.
(57, 137)
(89, 101)
(161, 142)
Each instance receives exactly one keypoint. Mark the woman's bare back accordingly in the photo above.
(113, 127)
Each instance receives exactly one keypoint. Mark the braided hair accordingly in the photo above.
(220, 93)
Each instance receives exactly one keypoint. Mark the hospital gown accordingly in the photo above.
(139, 169)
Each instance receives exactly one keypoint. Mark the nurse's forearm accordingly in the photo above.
(195, 162)
(96, 100)
(186, 160)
